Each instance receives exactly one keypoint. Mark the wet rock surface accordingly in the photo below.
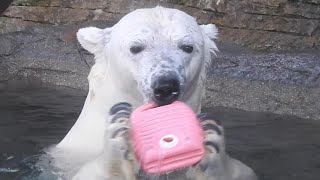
(261, 96)
(45, 52)
(301, 68)
(283, 82)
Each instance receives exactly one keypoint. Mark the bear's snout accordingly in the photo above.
(166, 89)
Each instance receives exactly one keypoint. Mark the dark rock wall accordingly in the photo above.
(260, 24)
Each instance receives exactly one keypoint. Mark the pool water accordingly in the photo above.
(34, 116)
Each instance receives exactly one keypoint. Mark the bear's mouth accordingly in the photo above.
(166, 96)
(166, 90)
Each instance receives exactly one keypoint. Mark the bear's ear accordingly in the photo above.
(93, 39)
(210, 32)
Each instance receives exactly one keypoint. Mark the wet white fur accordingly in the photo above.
(118, 75)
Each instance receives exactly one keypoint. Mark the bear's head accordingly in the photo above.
(161, 52)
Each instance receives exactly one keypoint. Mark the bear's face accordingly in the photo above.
(163, 50)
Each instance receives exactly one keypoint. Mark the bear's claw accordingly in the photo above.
(122, 106)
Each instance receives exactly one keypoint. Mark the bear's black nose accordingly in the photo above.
(166, 89)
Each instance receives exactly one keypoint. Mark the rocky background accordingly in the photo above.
(261, 24)
(37, 41)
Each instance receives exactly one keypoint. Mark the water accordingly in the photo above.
(34, 116)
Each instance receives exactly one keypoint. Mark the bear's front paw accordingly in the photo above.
(212, 161)
(118, 155)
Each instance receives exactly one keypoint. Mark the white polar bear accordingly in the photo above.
(157, 55)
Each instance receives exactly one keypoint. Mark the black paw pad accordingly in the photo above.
(118, 131)
(209, 117)
(122, 106)
(120, 115)
(209, 145)
(207, 127)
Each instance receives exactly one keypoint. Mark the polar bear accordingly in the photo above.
(151, 55)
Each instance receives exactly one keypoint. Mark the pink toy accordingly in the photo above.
(166, 138)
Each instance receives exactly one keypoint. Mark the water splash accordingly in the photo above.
(8, 170)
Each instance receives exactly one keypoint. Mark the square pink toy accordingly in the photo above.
(166, 138)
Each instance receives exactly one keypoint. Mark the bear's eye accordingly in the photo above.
(186, 48)
(136, 49)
